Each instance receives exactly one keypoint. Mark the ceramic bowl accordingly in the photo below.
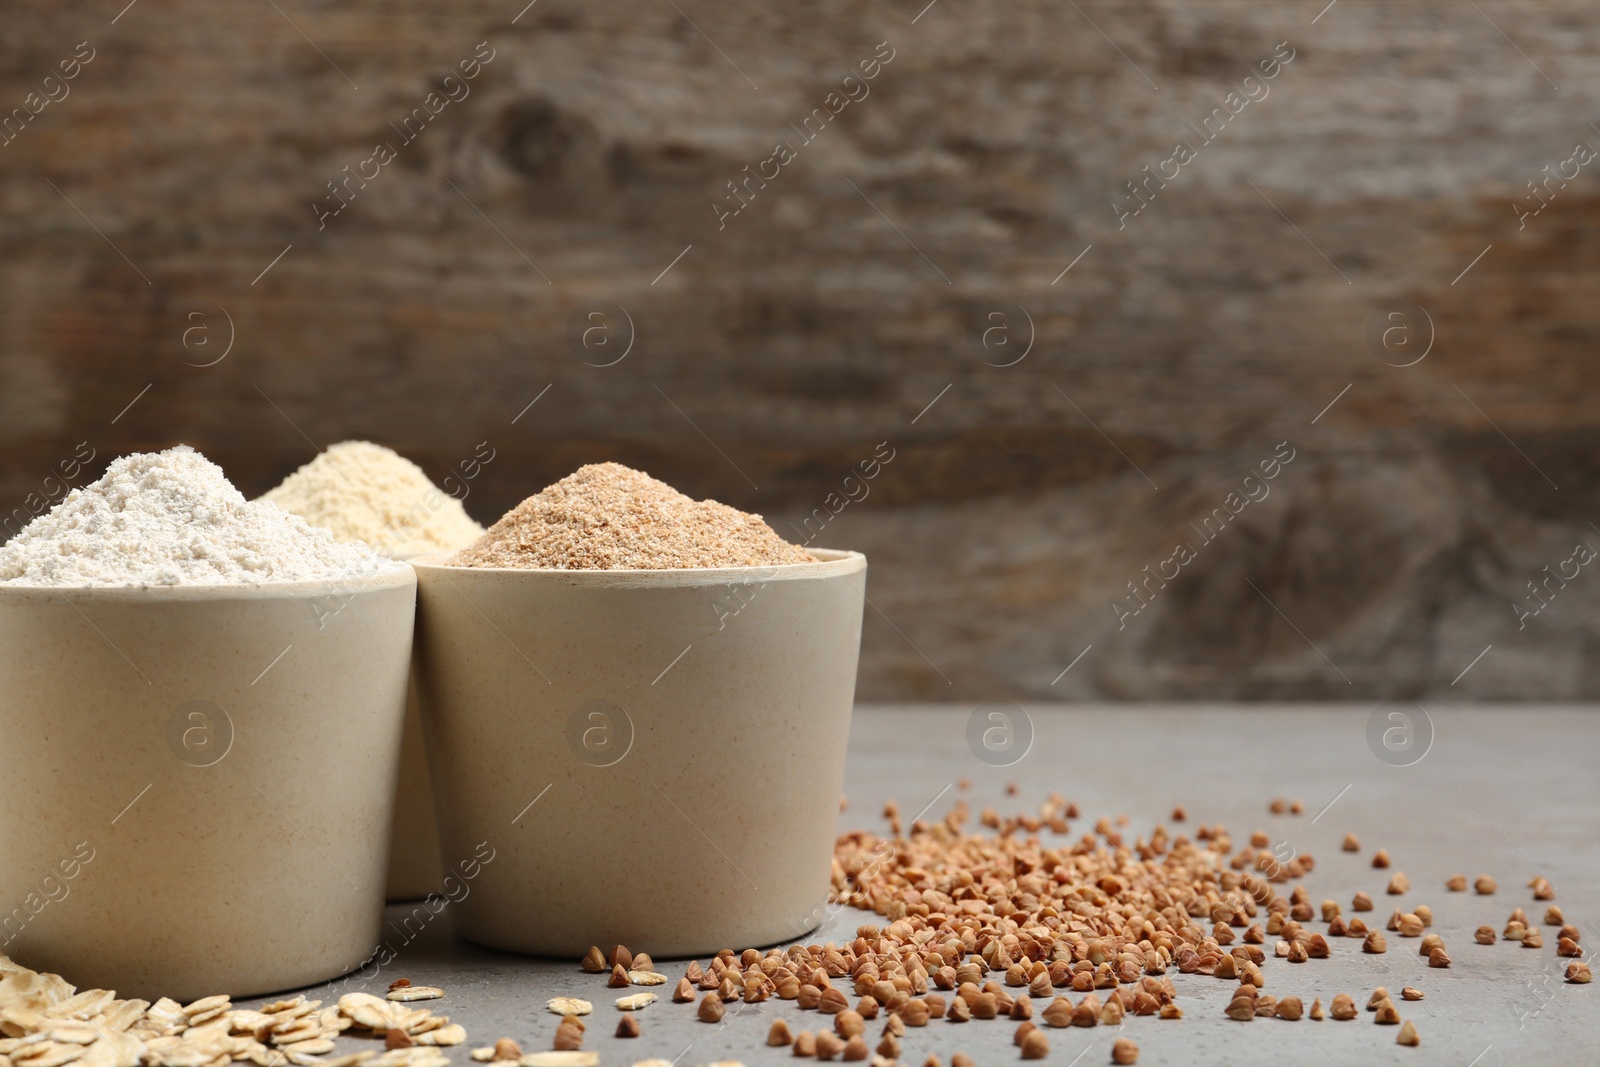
(652, 758)
(200, 780)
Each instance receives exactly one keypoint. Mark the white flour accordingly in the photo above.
(173, 518)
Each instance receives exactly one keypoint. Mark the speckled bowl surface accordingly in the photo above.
(199, 780)
(651, 758)
(414, 870)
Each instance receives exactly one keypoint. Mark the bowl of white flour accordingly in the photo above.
(202, 703)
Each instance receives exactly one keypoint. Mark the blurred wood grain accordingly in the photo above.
(142, 210)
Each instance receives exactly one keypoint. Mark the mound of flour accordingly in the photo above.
(366, 492)
(173, 518)
(609, 517)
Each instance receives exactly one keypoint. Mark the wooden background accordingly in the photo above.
(777, 352)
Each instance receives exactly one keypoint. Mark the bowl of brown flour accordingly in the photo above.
(641, 702)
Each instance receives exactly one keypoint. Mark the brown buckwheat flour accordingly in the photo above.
(609, 517)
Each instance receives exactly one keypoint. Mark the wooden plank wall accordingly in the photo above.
(147, 210)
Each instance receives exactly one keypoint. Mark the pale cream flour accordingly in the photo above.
(366, 492)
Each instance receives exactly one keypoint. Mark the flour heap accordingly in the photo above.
(609, 517)
(173, 518)
(365, 492)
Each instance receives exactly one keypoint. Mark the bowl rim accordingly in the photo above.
(830, 563)
(389, 578)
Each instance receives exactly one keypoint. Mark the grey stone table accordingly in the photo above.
(1511, 792)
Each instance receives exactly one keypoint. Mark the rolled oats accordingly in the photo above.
(206, 1006)
(244, 1021)
(366, 1010)
(314, 1047)
(333, 1021)
(46, 1054)
(561, 1059)
(636, 1001)
(261, 1055)
(449, 1034)
(420, 1021)
(296, 1031)
(167, 1014)
(416, 1056)
(85, 1005)
(74, 1033)
(647, 978)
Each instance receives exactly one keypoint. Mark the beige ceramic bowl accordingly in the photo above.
(653, 758)
(198, 781)
(414, 870)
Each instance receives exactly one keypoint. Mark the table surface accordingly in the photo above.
(1511, 792)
